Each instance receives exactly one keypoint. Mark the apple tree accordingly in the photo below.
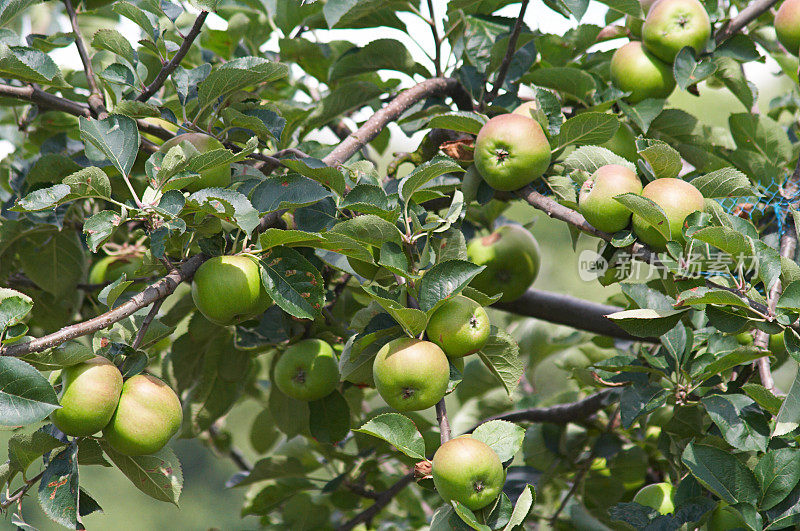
(205, 213)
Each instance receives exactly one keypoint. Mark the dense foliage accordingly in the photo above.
(194, 222)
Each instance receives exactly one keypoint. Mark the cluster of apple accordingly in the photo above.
(644, 68)
(676, 197)
(137, 417)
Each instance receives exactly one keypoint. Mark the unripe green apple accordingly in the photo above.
(148, 415)
(596, 199)
(228, 290)
(635, 70)
(526, 108)
(511, 257)
(745, 338)
(89, 396)
(460, 327)
(511, 151)
(674, 24)
(657, 496)
(169, 126)
(218, 177)
(411, 374)
(111, 268)
(677, 199)
(468, 471)
(723, 518)
(623, 143)
(787, 25)
(634, 25)
(307, 370)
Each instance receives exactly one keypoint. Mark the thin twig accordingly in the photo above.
(20, 492)
(383, 499)
(437, 42)
(146, 324)
(233, 453)
(444, 424)
(510, 51)
(169, 67)
(95, 100)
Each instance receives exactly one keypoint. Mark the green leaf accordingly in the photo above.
(732, 359)
(643, 113)
(100, 227)
(25, 395)
(663, 159)
(742, 424)
(726, 239)
(702, 295)
(349, 13)
(763, 397)
(501, 356)
(293, 282)
(721, 473)
(277, 466)
(290, 415)
(762, 134)
(43, 199)
(236, 75)
(369, 229)
(14, 306)
(58, 488)
(689, 71)
(444, 280)
(29, 64)
(286, 191)
(468, 516)
(412, 320)
(590, 158)
(109, 294)
(329, 418)
(25, 448)
(115, 138)
(399, 431)
(572, 81)
(268, 125)
(114, 42)
(639, 400)
(88, 182)
(464, 121)
(777, 472)
(725, 182)
(158, 475)
(54, 260)
(319, 171)
(64, 355)
(522, 508)
(788, 418)
(790, 298)
(225, 204)
(505, 438)
(9, 9)
(646, 322)
(136, 109)
(380, 54)
(586, 128)
(424, 173)
(648, 210)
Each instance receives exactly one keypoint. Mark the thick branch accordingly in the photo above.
(151, 294)
(561, 413)
(510, 51)
(45, 99)
(383, 499)
(745, 17)
(569, 311)
(168, 68)
(378, 121)
(96, 100)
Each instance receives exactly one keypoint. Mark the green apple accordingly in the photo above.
(411, 374)
(777, 346)
(468, 471)
(787, 25)
(623, 143)
(635, 70)
(307, 370)
(511, 151)
(657, 496)
(90, 394)
(160, 122)
(148, 415)
(674, 24)
(745, 338)
(596, 199)
(677, 199)
(217, 177)
(228, 290)
(460, 327)
(111, 268)
(724, 518)
(511, 257)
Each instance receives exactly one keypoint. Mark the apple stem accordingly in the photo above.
(444, 423)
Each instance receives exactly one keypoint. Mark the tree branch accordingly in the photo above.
(169, 67)
(378, 121)
(560, 413)
(96, 100)
(137, 341)
(510, 51)
(570, 311)
(383, 499)
(45, 99)
(437, 42)
(745, 17)
(444, 424)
